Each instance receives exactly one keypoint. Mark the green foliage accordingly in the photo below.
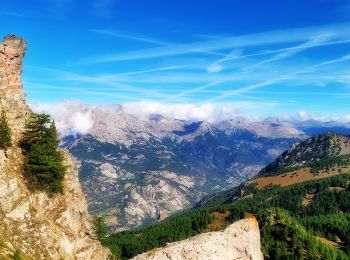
(285, 238)
(5, 132)
(328, 162)
(127, 244)
(100, 227)
(44, 167)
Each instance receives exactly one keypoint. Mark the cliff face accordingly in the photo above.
(241, 240)
(39, 226)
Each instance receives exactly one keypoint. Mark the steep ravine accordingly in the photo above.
(41, 227)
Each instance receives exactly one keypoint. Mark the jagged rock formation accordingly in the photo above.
(42, 227)
(240, 240)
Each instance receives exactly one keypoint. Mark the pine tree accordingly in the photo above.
(5, 132)
(44, 167)
(100, 227)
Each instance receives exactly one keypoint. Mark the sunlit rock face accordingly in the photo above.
(12, 51)
(240, 240)
(41, 227)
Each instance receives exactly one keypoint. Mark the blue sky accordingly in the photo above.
(252, 57)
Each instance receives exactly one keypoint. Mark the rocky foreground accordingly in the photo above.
(240, 240)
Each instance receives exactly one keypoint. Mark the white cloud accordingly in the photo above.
(71, 117)
(304, 115)
(81, 122)
(74, 117)
(209, 112)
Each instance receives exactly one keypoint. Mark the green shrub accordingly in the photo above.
(100, 227)
(5, 132)
(43, 168)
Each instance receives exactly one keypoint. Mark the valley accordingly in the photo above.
(136, 171)
(308, 218)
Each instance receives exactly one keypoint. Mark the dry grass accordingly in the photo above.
(308, 199)
(327, 242)
(301, 175)
(219, 221)
(336, 188)
(153, 252)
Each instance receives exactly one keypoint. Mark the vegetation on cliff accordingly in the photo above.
(5, 132)
(43, 168)
(100, 227)
(127, 244)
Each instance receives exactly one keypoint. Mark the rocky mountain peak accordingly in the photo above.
(12, 51)
(12, 97)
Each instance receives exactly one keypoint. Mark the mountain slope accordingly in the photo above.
(307, 219)
(33, 224)
(326, 150)
(159, 170)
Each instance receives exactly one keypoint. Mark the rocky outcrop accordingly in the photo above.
(240, 240)
(42, 227)
(12, 51)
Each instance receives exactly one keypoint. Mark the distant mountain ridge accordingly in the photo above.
(139, 169)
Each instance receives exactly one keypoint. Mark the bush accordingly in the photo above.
(5, 132)
(43, 167)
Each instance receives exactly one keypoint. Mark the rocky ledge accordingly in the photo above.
(240, 240)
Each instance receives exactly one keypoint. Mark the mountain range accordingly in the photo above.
(137, 170)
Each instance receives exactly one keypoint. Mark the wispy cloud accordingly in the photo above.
(149, 70)
(281, 53)
(47, 88)
(338, 31)
(192, 90)
(105, 80)
(128, 36)
(316, 42)
(279, 79)
(288, 52)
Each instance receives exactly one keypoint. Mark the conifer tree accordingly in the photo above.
(5, 132)
(44, 167)
(100, 227)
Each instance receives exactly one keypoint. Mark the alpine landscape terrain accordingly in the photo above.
(175, 130)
